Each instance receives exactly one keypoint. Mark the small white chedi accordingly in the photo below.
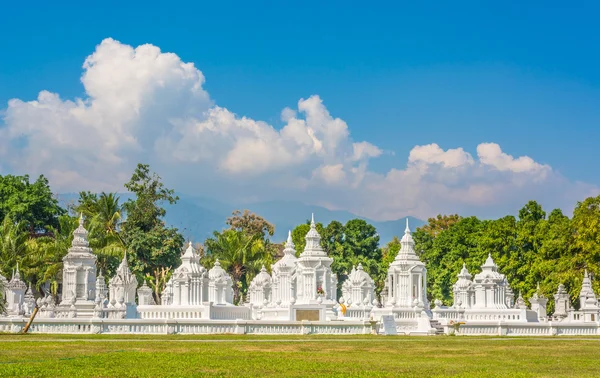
(298, 296)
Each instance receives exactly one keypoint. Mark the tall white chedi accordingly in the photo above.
(587, 297)
(283, 285)
(189, 281)
(407, 277)
(79, 270)
(122, 287)
(15, 294)
(314, 278)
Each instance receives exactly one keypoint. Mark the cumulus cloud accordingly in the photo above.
(145, 105)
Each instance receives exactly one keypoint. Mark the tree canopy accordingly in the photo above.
(30, 204)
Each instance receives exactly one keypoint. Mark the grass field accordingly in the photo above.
(345, 356)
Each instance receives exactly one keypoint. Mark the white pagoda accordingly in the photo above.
(79, 274)
(189, 280)
(220, 286)
(406, 286)
(358, 289)
(15, 294)
(490, 286)
(407, 277)
(122, 287)
(283, 285)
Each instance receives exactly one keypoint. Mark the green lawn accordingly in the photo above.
(342, 356)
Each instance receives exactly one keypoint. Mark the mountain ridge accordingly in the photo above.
(197, 217)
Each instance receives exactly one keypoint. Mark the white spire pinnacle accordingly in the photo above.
(312, 220)
(81, 219)
(407, 230)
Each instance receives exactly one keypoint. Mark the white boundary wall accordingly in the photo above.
(525, 329)
(185, 326)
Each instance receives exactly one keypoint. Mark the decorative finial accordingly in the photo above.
(312, 219)
(81, 219)
(289, 239)
(585, 273)
(407, 230)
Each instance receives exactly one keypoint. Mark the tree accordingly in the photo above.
(251, 224)
(103, 220)
(2, 299)
(240, 254)
(152, 244)
(440, 223)
(445, 253)
(13, 247)
(44, 262)
(585, 252)
(32, 205)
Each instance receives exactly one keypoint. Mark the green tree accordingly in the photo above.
(440, 223)
(103, 220)
(44, 262)
(152, 244)
(445, 253)
(240, 254)
(13, 244)
(30, 204)
(585, 252)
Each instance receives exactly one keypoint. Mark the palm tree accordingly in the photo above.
(240, 255)
(2, 299)
(13, 243)
(45, 255)
(103, 214)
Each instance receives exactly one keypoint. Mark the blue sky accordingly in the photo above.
(523, 76)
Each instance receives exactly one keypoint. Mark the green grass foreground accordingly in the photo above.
(296, 356)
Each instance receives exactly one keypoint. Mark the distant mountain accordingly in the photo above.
(198, 217)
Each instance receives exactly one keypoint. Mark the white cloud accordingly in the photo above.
(432, 153)
(145, 105)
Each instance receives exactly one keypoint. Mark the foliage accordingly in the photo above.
(530, 249)
(144, 232)
(31, 205)
(2, 299)
(44, 261)
(13, 244)
(440, 223)
(158, 281)
(103, 220)
(250, 223)
(240, 254)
